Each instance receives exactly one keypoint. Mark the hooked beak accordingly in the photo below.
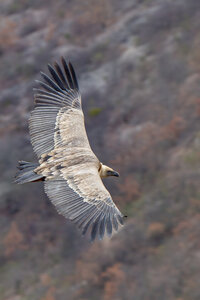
(115, 174)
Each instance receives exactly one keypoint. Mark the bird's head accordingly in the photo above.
(105, 171)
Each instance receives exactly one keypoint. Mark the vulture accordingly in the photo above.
(71, 172)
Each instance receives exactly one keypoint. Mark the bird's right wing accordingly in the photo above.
(79, 195)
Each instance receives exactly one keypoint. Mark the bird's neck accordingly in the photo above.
(102, 171)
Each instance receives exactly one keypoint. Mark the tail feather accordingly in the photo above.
(26, 173)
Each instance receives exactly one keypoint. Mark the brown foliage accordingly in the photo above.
(198, 107)
(173, 130)
(14, 240)
(194, 60)
(8, 36)
(45, 279)
(93, 16)
(49, 294)
(155, 229)
(138, 152)
(50, 31)
(87, 268)
(180, 227)
(130, 188)
(113, 277)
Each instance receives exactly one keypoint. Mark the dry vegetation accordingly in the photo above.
(138, 64)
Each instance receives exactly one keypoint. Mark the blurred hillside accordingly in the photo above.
(138, 64)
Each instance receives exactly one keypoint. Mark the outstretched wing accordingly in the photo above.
(74, 185)
(81, 197)
(58, 116)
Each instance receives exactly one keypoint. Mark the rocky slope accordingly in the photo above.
(138, 65)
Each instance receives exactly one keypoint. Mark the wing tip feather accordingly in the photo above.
(94, 219)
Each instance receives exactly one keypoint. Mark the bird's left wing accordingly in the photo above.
(79, 195)
(57, 119)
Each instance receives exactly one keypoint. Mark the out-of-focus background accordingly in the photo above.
(138, 65)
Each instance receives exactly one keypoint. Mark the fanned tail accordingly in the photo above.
(26, 173)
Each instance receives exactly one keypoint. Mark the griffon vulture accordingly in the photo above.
(71, 172)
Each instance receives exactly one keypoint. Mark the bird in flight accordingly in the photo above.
(71, 172)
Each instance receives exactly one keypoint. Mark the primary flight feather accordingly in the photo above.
(71, 172)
